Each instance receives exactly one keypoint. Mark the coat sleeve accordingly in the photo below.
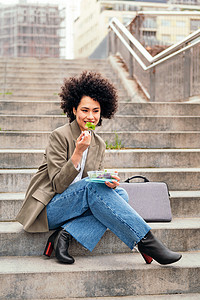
(61, 170)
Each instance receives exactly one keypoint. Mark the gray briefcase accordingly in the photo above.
(149, 199)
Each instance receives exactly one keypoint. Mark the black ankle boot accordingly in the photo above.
(59, 241)
(61, 247)
(151, 248)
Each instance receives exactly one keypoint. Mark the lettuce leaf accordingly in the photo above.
(89, 125)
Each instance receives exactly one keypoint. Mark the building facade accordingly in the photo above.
(92, 25)
(30, 30)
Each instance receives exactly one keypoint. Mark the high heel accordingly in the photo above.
(59, 241)
(50, 244)
(147, 258)
(151, 248)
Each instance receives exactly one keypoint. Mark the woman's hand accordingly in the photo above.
(82, 143)
(114, 183)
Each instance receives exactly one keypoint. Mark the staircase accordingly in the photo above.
(162, 142)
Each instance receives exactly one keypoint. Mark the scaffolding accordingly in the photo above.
(31, 30)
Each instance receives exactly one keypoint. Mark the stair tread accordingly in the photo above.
(108, 132)
(172, 150)
(98, 263)
(143, 297)
(124, 170)
(12, 196)
(173, 194)
(116, 116)
(176, 223)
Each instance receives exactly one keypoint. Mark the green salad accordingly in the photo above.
(89, 125)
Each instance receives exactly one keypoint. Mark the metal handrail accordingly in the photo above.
(131, 38)
(152, 77)
(129, 48)
(145, 68)
(177, 45)
(168, 53)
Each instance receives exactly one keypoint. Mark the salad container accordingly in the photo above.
(101, 176)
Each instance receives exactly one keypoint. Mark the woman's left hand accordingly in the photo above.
(114, 183)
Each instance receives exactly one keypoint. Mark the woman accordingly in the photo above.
(60, 196)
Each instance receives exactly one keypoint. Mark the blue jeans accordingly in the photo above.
(86, 210)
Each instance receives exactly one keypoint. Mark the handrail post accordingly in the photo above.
(115, 43)
(187, 73)
(152, 90)
(109, 43)
(131, 71)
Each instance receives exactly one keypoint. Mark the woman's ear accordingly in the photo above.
(74, 111)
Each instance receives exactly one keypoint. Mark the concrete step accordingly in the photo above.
(160, 109)
(41, 81)
(45, 75)
(153, 139)
(21, 107)
(178, 235)
(184, 204)
(65, 69)
(139, 158)
(144, 297)
(26, 107)
(178, 179)
(152, 123)
(54, 97)
(56, 63)
(41, 92)
(100, 276)
(57, 71)
(128, 139)
(124, 123)
(21, 122)
(10, 204)
(48, 60)
(9, 95)
(152, 158)
(47, 64)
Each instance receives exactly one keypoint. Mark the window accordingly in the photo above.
(180, 24)
(194, 24)
(25, 19)
(166, 23)
(149, 23)
(166, 37)
(179, 37)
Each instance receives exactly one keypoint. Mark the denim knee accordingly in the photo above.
(120, 191)
(123, 193)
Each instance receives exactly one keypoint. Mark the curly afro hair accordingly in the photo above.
(90, 84)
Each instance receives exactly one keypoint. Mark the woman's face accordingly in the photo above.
(88, 110)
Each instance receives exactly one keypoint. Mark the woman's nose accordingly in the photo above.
(90, 116)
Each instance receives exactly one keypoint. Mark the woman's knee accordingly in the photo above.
(123, 193)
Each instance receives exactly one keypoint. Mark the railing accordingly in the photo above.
(172, 75)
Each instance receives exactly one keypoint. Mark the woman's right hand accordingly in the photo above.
(82, 143)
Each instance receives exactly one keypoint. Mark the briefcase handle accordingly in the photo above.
(138, 176)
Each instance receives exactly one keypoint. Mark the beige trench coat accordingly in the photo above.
(56, 173)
